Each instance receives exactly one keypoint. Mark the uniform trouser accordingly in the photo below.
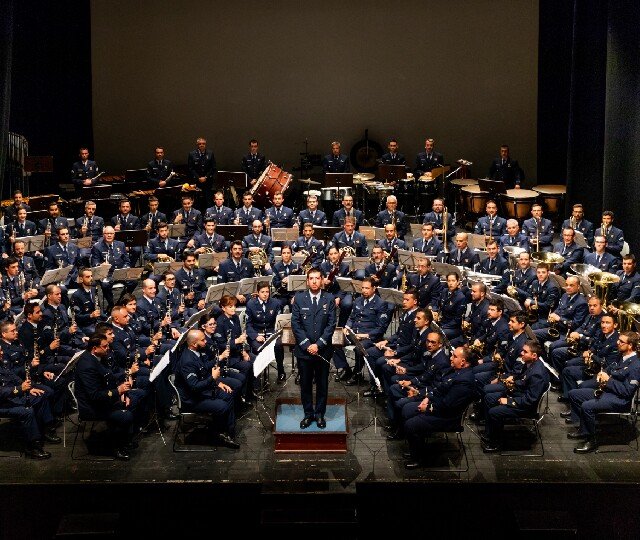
(573, 376)
(311, 367)
(419, 425)
(396, 400)
(107, 289)
(497, 415)
(245, 367)
(33, 416)
(222, 413)
(585, 406)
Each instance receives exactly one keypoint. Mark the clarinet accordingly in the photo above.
(224, 367)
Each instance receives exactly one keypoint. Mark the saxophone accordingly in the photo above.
(403, 283)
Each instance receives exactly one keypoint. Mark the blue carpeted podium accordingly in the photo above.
(290, 438)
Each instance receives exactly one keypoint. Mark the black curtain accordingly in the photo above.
(6, 45)
(589, 109)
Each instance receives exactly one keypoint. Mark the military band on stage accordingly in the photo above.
(449, 315)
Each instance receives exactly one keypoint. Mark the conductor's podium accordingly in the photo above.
(290, 438)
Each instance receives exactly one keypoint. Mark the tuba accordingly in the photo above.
(628, 316)
(602, 283)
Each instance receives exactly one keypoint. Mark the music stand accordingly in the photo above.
(236, 179)
(233, 232)
(127, 274)
(247, 286)
(57, 275)
(477, 241)
(352, 286)
(176, 230)
(69, 366)
(161, 267)
(133, 238)
(211, 260)
(280, 234)
(393, 296)
(326, 233)
(265, 356)
(217, 291)
(357, 263)
(339, 180)
(296, 283)
(372, 233)
(196, 316)
(580, 240)
(351, 337)
(32, 243)
(101, 272)
(442, 269)
(391, 173)
(494, 187)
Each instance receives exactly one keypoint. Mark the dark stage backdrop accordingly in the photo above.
(165, 72)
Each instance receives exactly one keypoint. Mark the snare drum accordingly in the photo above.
(517, 203)
(335, 193)
(312, 192)
(474, 199)
(551, 197)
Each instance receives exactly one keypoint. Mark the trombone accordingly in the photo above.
(445, 218)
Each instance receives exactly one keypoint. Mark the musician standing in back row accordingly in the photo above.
(202, 167)
(336, 162)
(506, 169)
(427, 160)
(253, 163)
(84, 172)
(159, 169)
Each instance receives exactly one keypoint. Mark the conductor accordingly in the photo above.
(313, 320)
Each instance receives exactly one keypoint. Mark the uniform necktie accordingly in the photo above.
(166, 245)
(286, 269)
(111, 251)
(264, 307)
(315, 302)
(598, 260)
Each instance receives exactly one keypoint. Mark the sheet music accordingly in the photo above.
(56, 275)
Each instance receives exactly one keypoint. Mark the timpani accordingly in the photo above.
(474, 200)
(517, 203)
(551, 197)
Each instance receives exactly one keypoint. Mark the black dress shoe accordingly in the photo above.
(565, 414)
(577, 436)
(411, 465)
(281, 377)
(344, 375)
(569, 421)
(490, 448)
(305, 422)
(52, 438)
(588, 446)
(228, 441)
(407, 455)
(35, 452)
(355, 380)
(370, 393)
(321, 422)
(395, 436)
(476, 417)
(556, 387)
(122, 454)
(562, 399)
(297, 379)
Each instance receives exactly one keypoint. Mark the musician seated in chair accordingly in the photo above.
(543, 295)
(84, 172)
(600, 258)
(614, 236)
(602, 352)
(522, 279)
(427, 160)
(162, 248)
(577, 222)
(112, 252)
(193, 285)
(85, 303)
(494, 264)
(428, 244)
(49, 225)
(159, 170)
(311, 214)
(350, 238)
(381, 270)
(514, 237)
(247, 213)
(628, 288)
(391, 215)
(27, 266)
(88, 225)
(170, 295)
(18, 228)
(347, 210)
(436, 217)
(540, 228)
(221, 214)
(278, 215)
(281, 272)
(519, 397)
(571, 251)
(617, 386)
(235, 268)
(126, 221)
(261, 319)
(190, 217)
(63, 254)
(462, 255)
(309, 244)
(256, 242)
(426, 282)
(208, 240)
(491, 225)
(391, 241)
(18, 289)
(472, 324)
(450, 307)
(153, 217)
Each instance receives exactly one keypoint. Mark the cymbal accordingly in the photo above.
(364, 176)
(309, 181)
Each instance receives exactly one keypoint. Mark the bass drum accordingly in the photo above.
(272, 180)
(365, 154)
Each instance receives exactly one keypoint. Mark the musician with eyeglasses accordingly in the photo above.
(172, 298)
(580, 371)
(538, 228)
(613, 235)
(577, 222)
(617, 386)
(392, 216)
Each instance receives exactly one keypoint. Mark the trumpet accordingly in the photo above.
(512, 291)
(602, 384)
(603, 229)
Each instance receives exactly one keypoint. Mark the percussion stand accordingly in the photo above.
(457, 195)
